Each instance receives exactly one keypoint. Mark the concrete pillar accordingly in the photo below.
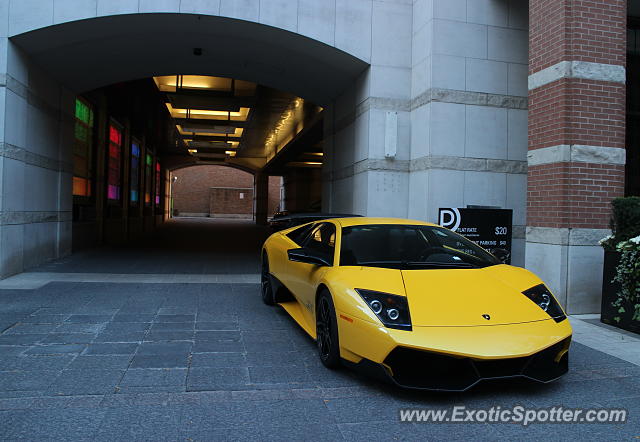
(302, 188)
(468, 109)
(36, 141)
(359, 175)
(576, 156)
(260, 198)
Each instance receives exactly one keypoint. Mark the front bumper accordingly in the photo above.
(457, 358)
(416, 369)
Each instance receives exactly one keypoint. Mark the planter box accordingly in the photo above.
(609, 290)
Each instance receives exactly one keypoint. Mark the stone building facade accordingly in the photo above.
(427, 103)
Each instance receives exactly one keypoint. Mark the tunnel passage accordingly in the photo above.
(120, 101)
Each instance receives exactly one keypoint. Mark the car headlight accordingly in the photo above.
(542, 296)
(392, 310)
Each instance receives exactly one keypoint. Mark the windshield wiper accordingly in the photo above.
(433, 264)
(424, 264)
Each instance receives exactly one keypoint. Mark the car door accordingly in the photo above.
(284, 269)
(304, 277)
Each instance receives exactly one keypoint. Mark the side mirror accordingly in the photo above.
(502, 254)
(307, 256)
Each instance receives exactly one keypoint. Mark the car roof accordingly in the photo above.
(315, 216)
(360, 221)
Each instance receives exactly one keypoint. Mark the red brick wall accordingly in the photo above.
(578, 30)
(192, 189)
(228, 201)
(573, 194)
(274, 195)
(575, 111)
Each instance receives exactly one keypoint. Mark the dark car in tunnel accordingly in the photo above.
(285, 220)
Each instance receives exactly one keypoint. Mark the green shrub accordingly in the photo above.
(628, 275)
(625, 221)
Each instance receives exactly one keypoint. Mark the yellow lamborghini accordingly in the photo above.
(414, 303)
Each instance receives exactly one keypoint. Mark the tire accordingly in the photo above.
(327, 331)
(265, 283)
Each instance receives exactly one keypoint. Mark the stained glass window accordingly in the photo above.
(82, 149)
(135, 173)
(115, 154)
(157, 183)
(148, 177)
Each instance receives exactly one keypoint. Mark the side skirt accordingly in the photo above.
(288, 302)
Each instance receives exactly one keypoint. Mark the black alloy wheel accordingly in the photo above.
(265, 283)
(327, 331)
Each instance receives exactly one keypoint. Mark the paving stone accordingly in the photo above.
(141, 423)
(364, 409)
(274, 346)
(36, 363)
(15, 404)
(27, 380)
(175, 335)
(132, 317)
(160, 361)
(216, 325)
(89, 319)
(30, 329)
(175, 318)
(162, 348)
(79, 382)
(103, 362)
(215, 316)
(111, 349)
(52, 349)
(126, 327)
(56, 424)
(200, 379)
(278, 374)
(22, 339)
(172, 326)
(218, 346)
(79, 328)
(218, 360)
(178, 311)
(217, 335)
(150, 377)
(309, 431)
(68, 338)
(226, 414)
(45, 319)
(11, 350)
(126, 337)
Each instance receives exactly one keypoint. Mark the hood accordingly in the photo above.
(460, 297)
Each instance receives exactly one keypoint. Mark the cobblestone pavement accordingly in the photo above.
(139, 360)
(211, 362)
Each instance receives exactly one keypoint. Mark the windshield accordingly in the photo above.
(410, 247)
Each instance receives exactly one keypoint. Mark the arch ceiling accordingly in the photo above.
(92, 53)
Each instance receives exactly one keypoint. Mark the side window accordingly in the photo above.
(298, 235)
(323, 240)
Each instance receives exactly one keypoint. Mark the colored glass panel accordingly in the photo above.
(83, 149)
(135, 173)
(80, 187)
(114, 161)
(115, 135)
(148, 179)
(157, 183)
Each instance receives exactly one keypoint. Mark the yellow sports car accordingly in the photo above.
(414, 303)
